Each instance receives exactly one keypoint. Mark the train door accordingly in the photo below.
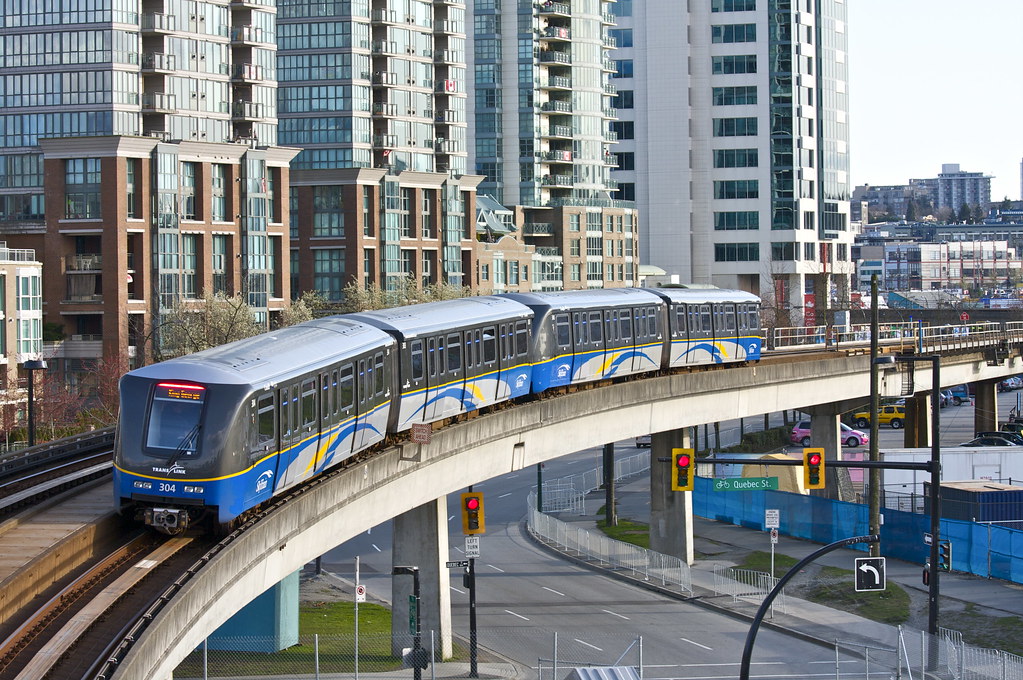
(328, 415)
(413, 383)
(724, 332)
(616, 362)
(701, 335)
(472, 398)
(627, 341)
(454, 376)
(304, 432)
(679, 334)
(263, 445)
(346, 410)
(435, 376)
(378, 395)
(290, 431)
(589, 346)
(489, 381)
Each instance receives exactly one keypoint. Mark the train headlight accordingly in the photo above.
(193, 489)
(143, 485)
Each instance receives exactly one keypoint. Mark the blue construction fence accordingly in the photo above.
(983, 549)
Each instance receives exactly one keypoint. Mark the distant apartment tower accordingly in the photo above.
(374, 93)
(733, 139)
(957, 188)
(540, 124)
(137, 157)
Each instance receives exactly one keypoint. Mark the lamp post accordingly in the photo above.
(935, 466)
(32, 365)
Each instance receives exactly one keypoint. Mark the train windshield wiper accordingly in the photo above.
(186, 444)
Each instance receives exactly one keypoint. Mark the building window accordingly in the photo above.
(429, 196)
(576, 274)
(784, 251)
(625, 99)
(132, 196)
(189, 265)
(737, 188)
(218, 192)
(188, 170)
(734, 63)
(735, 127)
(329, 272)
(735, 221)
(809, 252)
(735, 158)
(736, 252)
(733, 5)
(367, 210)
(735, 96)
(574, 222)
(623, 68)
(404, 223)
(218, 264)
(734, 33)
(624, 129)
(82, 188)
(574, 247)
(621, 36)
(328, 211)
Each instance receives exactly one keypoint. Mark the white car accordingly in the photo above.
(643, 441)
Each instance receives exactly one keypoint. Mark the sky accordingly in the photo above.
(933, 82)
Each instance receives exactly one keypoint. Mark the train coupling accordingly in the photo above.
(170, 521)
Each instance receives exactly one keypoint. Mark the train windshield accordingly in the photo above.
(174, 420)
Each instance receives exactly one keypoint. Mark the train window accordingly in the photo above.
(611, 327)
(521, 338)
(754, 318)
(308, 403)
(379, 384)
(346, 391)
(472, 343)
(363, 383)
(680, 320)
(705, 323)
(325, 394)
(625, 324)
(489, 345)
(454, 354)
(596, 330)
(335, 406)
(431, 355)
(265, 420)
(582, 336)
(285, 420)
(174, 419)
(694, 319)
(562, 330)
(651, 315)
(741, 317)
(730, 318)
(416, 350)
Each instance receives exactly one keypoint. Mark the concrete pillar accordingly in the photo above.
(918, 421)
(267, 624)
(671, 512)
(826, 433)
(985, 411)
(420, 539)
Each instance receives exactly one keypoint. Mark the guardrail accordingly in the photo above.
(58, 449)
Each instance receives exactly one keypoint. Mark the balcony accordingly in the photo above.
(248, 72)
(386, 16)
(446, 146)
(251, 34)
(450, 56)
(448, 116)
(556, 83)
(556, 107)
(385, 78)
(610, 89)
(94, 298)
(609, 42)
(386, 141)
(158, 102)
(609, 113)
(538, 229)
(556, 33)
(548, 251)
(155, 22)
(557, 181)
(157, 62)
(556, 156)
(560, 9)
(555, 57)
(247, 110)
(558, 132)
(607, 19)
(383, 109)
(91, 262)
(385, 47)
(456, 27)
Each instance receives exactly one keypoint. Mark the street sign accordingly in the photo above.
(745, 483)
(421, 433)
(870, 574)
(413, 605)
(772, 519)
(360, 593)
(774, 536)
(928, 539)
(472, 546)
(964, 317)
(459, 564)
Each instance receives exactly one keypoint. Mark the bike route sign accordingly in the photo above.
(745, 483)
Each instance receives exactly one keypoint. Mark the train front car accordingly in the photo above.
(207, 437)
(711, 325)
(586, 335)
(456, 355)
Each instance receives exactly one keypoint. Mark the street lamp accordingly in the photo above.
(935, 466)
(32, 365)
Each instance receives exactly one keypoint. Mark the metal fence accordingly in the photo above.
(567, 494)
(747, 584)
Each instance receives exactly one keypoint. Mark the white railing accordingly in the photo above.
(746, 584)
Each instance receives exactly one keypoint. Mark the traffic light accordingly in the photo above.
(473, 521)
(682, 474)
(813, 468)
(945, 555)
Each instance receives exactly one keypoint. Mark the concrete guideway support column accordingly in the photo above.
(420, 539)
(671, 512)
(918, 421)
(985, 406)
(826, 433)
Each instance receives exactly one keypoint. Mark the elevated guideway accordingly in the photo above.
(410, 476)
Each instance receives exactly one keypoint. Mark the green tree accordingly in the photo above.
(965, 215)
(911, 210)
(976, 214)
(1005, 205)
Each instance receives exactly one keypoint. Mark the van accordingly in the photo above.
(961, 394)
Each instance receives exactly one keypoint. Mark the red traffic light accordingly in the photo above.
(472, 503)
(814, 459)
(682, 461)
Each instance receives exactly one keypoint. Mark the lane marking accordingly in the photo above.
(696, 643)
(518, 615)
(553, 591)
(589, 645)
(616, 614)
(496, 568)
(505, 495)
(376, 548)
(460, 592)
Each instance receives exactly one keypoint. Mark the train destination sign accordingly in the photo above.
(745, 483)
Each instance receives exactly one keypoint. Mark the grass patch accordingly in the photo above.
(993, 632)
(627, 531)
(758, 560)
(334, 622)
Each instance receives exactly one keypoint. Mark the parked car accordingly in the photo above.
(893, 415)
(1014, 437)
(961, 395)
(850, 437)
(989, 440)
(643, 441)
(1011, 383)
(1011, 427)
(946, 398)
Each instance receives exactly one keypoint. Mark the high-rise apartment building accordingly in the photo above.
(539, 121)
(733, 142)
(957, 188)
(374, 94)
(138, 157)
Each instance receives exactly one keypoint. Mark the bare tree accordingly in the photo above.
(192, 326)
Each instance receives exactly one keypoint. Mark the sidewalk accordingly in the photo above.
(718, 544)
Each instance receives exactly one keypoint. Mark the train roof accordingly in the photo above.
(586, 299)
(413, 320)
(269, 357)
(703, 295)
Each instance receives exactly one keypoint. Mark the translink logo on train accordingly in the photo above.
(206, 438)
